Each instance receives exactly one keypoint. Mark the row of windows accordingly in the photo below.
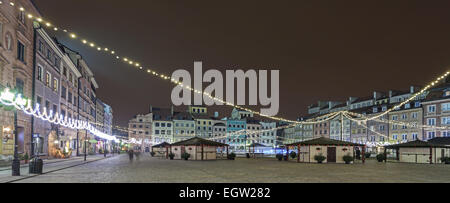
(141, 126)
(404, 116)
(444, 107)
(184, 132)
(48, 79)
(324, 132)
(184, 125)
(51, 107)
(163, 132)
(158, 124)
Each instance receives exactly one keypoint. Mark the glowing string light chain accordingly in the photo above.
(127, 60)
(165, 77)
(8, 98)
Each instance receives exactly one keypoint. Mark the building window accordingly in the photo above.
(69, 98)
(55, 84)
(431, 108)
(39, 101)
(417, 104)
(445, 120)
(47, 79)
(404, 116)
(63, 92)
(20, 51)
(431, 135)
(414, 136)
(445, 107)
(404, 137)
(20, 84)
(40, 46)
(431, 121)
(22, 17)
(40, 73)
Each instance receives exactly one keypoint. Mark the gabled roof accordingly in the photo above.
(257, 145)
(219, 124)
(362, 99)
(204, 117)
(440, 141)
(196, 141)
(325, 141)
(162, 114)
(412, 144)
(182, 116)
(164, 144)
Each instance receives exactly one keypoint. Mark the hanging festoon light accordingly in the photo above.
(9, 98)
(74, 36)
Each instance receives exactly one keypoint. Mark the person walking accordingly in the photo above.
(131, 154)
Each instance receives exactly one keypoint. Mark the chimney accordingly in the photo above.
(216, 114)
(171, 110)
(411, 89)
(151, 109)
(390, 93)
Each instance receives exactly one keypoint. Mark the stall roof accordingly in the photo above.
(257, 145)
(440, 140)
(164, 144)
(197, 142)
(325, 141)
(419, 143)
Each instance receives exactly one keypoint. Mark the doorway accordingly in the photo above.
(331, 154)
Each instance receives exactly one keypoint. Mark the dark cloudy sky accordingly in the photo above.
(325, 50)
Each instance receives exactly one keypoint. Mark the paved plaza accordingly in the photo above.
(154, 170)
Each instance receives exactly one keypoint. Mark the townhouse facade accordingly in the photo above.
(183, 126)
(268, 133)
(253, 130)
(16, 73)
(405, 123)
(162, 125)
(140, 130)
(47, 93)
(220, 131)
(37, 66)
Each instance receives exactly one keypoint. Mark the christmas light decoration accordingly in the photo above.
(310, 121)
(9, 98)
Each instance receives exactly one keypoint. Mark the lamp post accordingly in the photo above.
(85, 143)
(16, 161)
(104, 148)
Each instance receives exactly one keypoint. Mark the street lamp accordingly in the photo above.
(16, 161)
(104, 148)
(85, 143)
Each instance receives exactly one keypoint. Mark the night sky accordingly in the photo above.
(325, 50)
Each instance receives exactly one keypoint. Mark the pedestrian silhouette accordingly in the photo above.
(131, 154)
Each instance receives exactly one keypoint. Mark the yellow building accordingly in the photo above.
(403, 123)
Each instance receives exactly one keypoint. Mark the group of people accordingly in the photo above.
(132, 154)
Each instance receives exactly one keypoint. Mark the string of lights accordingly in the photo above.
(426, 88)
(411, 125)
(9, 98)
(90, 43)
(85, 125)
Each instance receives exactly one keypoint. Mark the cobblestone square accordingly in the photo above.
(147, 169)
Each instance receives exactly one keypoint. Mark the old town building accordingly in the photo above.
(162, 125)
(183, 126)
(47, 94)
(16, 72)
(140, 130)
